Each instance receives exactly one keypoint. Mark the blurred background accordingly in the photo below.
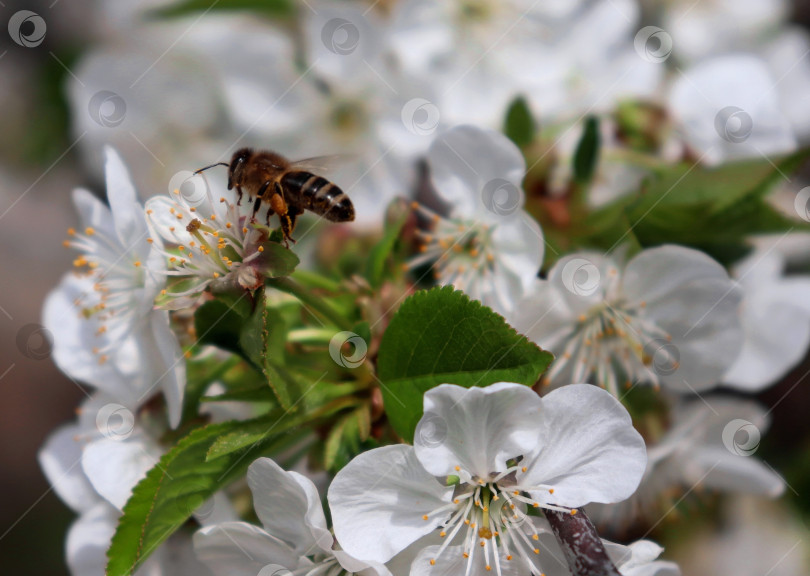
(72, 85)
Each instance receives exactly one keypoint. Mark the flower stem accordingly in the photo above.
(309, 300)
(580, 543)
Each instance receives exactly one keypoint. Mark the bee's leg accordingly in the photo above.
(280, 207)
(292, 213)
(258, 202)
(239, 197)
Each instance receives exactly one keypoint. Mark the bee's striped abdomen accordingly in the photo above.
(320, 196)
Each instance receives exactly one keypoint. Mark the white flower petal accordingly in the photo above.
(582, 280)
(114, 467)
(61, 461)
(658, 273)
(88, 540)
(241, 549)
(476, 429)
(354, 566)
(453, 563)
(464, 159)
(378, 501)
(720, 469)
(288, 506)
(171, 370)
(588, 450)
(777, 334)
(75, 337)
(93, 213)
(163, 221)
(729, 110)
(127, 213)
(702, 319)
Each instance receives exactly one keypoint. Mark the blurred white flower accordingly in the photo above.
(727, 109)
(293, 537)
(752, 536)
(786, 58)
(713, 27)
(709, 445)
(106, 332)
(669, 316)
(502, 449)
(563, 56)
(92, 465)
(487, 245)
(775, 321)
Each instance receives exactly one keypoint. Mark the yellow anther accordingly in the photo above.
(71, 232)
(89, 231)
(432, 562)
(425, 517)
(261, 248)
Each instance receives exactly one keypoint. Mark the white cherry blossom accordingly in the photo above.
(710, 445)
(92, 465)
(775, 321)
(293, 536)
(481, 458)
(486, 245)
(669, 317)
(105, 328)
(727, 109)
(215, 242)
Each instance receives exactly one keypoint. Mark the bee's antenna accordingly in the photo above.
(211, 166)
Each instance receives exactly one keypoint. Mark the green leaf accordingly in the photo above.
(173, 489)
(275, 260)
(712, 209)
(519, 125)
(586, 156)
(276, 8)
(346, 437)
(218, 324)
(441, 336)
(381, 252)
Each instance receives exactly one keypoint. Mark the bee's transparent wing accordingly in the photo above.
(322, 164)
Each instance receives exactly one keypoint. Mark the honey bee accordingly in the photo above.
(287, 188)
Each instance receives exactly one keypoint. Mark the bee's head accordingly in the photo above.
(236, 169)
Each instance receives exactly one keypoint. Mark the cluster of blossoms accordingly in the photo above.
(416, 93)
